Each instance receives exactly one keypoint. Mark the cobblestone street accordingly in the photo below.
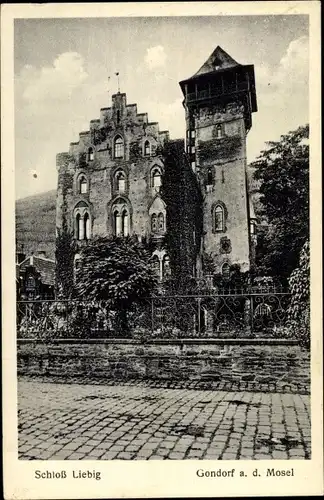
(98, 422)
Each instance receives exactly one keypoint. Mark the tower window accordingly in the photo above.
(210, 179)
(147, 148)
(119, 147)
(219, 132)
(193, 134)
(83, 185)
(219, 218)
(118, 116)
(90, 154)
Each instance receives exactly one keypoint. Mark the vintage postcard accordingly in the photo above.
(161, 228)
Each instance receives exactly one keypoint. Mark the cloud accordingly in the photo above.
(55, 82)
(293, 68)
(155, 57)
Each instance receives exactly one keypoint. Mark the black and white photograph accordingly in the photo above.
(163, 245)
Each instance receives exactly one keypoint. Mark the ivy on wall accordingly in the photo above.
(217, 149)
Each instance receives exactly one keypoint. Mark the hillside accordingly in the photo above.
(35, 222)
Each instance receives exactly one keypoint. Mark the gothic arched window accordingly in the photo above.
(226, 270)
(78, 226)
(86, 226)
(120, 181)
(154, 223)
(156, 178)
(82, 221)
(83, 185)
(147, 148)
(121, 218)
(219, 219)
(119, 147)
(90, 154)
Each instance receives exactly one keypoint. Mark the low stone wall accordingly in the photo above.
(268, 361)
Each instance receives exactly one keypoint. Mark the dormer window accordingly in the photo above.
(90, 154)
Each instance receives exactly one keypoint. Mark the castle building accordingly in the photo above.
(109, 183)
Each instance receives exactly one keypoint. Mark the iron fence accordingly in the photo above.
(225, 313)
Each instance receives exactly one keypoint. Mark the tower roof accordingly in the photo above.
(218, 61)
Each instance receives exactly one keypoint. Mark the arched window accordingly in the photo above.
(219, 131)
(160, 222)
(120, 181)
(125, 223)
(83, 185)
(119, 147)
(226, 271)
(86, 226)
(117, 223)
(90, 154)
(78, 226)
(121, 218)
(147, 148)
(210, 177)
(219, 218)
(156, 178)
(154, 223)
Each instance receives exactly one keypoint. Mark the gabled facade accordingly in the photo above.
(109, 183)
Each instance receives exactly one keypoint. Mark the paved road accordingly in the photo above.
(75, 422)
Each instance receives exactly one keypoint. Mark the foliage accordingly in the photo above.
(225, 147)
(299, 309)
(64, 268)
(283, 171)
(183, 213)
(116, 270)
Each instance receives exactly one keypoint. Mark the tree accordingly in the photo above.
(116, 270)
(299, 309)
(64, 269)
(283, 172)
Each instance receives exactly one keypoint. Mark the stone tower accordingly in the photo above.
(219, 101)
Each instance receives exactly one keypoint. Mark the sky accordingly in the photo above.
(65, 72)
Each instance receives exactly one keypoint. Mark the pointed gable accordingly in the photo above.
(219, 60)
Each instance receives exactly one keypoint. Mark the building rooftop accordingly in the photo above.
(46, 268)
(218, 61)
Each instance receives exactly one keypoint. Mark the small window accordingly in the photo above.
(219, 218)
(210, 177)
(118, 116)
(226, 271)
(119, 148)
(193, 149)
(83, 187)
(193, 165)
(147, 148)
(252, 227)
(161, 222)
(120, 182)
(219, 132)
(156, 179)
(165, 267)
(90, 154)
(154, 223)
(193, 134)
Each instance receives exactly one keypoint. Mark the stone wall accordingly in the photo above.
(276, 363)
